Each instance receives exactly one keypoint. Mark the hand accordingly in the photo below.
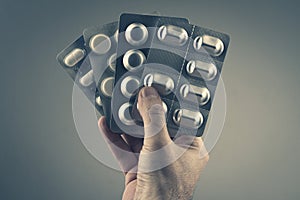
(156, 167)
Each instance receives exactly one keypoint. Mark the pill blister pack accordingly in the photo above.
(101, 44)
(73, 60)
(202, 56)
(182, 61)
(136, 33)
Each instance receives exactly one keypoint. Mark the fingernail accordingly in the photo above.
(149, 91)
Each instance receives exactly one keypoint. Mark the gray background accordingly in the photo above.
(257, 156)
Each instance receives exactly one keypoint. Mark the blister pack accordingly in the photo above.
(201, 65)
(73, 60)
(101, 44)
(183, 63)
(136, 33)
(199, 77)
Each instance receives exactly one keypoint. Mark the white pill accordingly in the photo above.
(87, 79)
(187, 118)
(74, 57)
(100, 44)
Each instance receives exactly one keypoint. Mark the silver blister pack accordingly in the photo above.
(136, 33)
(201, 65)
(101, 44)
(183, 62)
(74, 62)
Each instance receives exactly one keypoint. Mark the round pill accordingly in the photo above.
(124, 114)
(106, 86)
(129, 86)
(100, 44)
(111, 62)
(133, 59)
(136, 34)
(74, 57)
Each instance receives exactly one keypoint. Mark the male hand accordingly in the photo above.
(156, 167)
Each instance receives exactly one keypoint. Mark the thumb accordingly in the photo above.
(153, 114)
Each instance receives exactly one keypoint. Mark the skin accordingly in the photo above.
(138, 158)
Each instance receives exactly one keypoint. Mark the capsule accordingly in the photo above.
(107, 85)
(100, 44)
(195, 94)
(164, 84)
(111, 62)
(187, 118)
(136, 34)
(124, 114)
(172, 35)
(74, 57)
(200, 69)
(214, 46)
(129, 86)
(133, 59)
(87, 79)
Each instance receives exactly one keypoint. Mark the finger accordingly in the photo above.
(113, 138)
(118, 147)
(134, 143)
(129, 190)
(130, 177)
(152, 112)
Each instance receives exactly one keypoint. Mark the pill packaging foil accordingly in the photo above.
(182, 61)
(101, 44)
(136, 33)
(205, 51)
(74, 61)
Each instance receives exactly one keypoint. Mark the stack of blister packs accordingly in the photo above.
(112, 62)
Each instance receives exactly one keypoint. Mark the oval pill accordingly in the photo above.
(162, 83)
(136, 34)
(100, 44)
(200, 69)
(74, 57)
(87, 79)
(172, 35)
(214, 46)
(133, 59)
(107, 85)
(187, 118)
(195, 93)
